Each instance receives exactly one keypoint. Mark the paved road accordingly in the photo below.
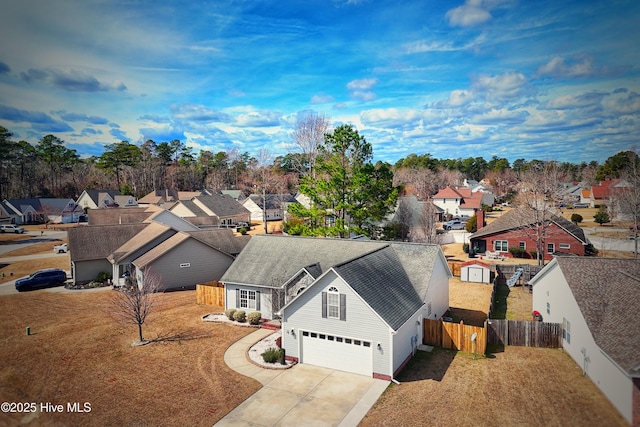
(48, 236)
(607, 244)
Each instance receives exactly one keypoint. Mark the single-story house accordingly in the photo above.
(94, 199)
(188, 258)
(475, 271)
(276, 206)
(215, 209)
(121, 215)
(90, 247)
(237, 195)
(601, 193)
(58, 211)
(351, 305)
(596, 300)
(517, 228)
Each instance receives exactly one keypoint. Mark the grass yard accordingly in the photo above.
(518, 387)
(78, 353)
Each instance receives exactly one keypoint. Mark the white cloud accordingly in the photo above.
(198, 113)
(469, 14)
(363, 84)
(391, 117)
(585, 100)
(505, 86)
(557, 67)
(259, 119)
(321, 99)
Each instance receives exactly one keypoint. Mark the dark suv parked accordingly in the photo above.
(42, 279)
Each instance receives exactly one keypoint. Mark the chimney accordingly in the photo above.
(480, 219)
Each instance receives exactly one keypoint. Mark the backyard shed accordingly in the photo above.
(475, 271)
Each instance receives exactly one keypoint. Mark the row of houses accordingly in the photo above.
(204, 208)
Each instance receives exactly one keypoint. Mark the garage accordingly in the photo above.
(336, 352)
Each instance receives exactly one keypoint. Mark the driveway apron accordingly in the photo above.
(302, 395)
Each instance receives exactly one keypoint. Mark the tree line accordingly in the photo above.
(50, 169)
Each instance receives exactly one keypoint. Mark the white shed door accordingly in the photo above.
(335, 352)
(475, 274)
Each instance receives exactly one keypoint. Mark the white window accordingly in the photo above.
(501, 246)
(564, 246)
(551, 248)
(333, 303)
(548, 308)
(566, 330)
(522, 245)
(247, 299)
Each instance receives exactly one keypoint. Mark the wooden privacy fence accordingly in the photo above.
(455, 267)
(455, 336)
(211, 293)
(524, 333)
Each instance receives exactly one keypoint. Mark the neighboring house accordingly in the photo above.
(57, 211)
(90, 247)
(461, 201)
(351, 305)
(188, 258)
(601, 193)
(120, 215)
(303, 199)
(596, 301)
(409, 213)
(94, 199)
(585, 196)
(276, 206)
(125, 201)
(515, 229)
(167, 197)
(237, 195)
(215, 209)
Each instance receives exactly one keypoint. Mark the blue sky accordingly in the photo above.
(518, 79)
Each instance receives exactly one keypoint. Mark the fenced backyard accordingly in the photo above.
(211, 293)
(524, 333)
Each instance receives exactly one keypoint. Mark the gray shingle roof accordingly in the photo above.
(378, 277)
(145, 236)
(221, 239)
(195, 209)
(270, 260)
(99, 241)
(223, 205)
(518, 218)
(607, 291)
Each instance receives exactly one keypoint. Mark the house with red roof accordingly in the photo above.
(601, 193)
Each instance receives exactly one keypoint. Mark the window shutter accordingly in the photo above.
(237, 297)
(257, 300)
(324, 305)
(343, 307)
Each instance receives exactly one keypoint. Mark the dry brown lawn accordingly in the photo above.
(518, 387)
(78, 353)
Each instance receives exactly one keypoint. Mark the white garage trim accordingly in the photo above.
(336, 352)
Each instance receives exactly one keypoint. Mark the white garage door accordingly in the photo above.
(475, 274)
(335, 352)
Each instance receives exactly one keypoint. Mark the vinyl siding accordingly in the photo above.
(406, 339)
(230, 298)
(605, 374)
(88, 270)
(305, 313)
(182, 211)
(206, 264)
(438, 291)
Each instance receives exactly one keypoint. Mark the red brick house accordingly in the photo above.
(517, 229)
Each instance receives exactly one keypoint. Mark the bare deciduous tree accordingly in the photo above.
(133, 304)
(428, 224)
(626, 196)
(309, 136)
(404, 216)
(536, 200)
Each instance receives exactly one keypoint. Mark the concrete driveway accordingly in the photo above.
(302, 395)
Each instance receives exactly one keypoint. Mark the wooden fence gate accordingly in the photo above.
(456, 336)
(210, 293)
(524, 333)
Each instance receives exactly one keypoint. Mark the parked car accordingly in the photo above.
(11, 228)
(463, 218)
(60, 249)
(42, 279)
(454, 224)
(580, 205)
